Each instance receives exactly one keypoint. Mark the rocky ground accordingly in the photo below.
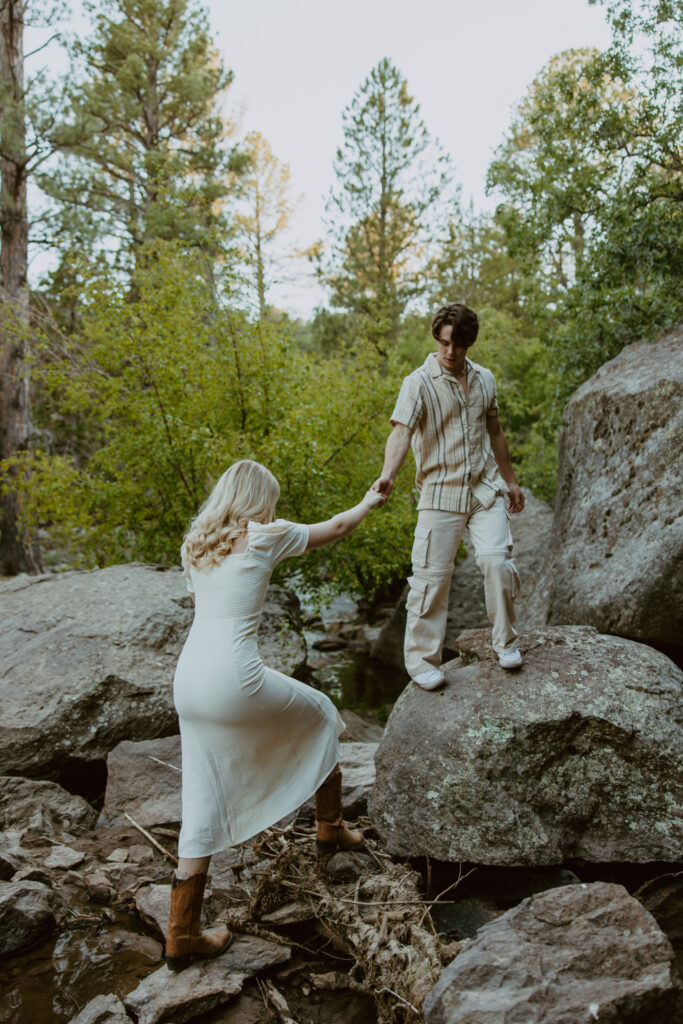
(371, 936)
(524, 830)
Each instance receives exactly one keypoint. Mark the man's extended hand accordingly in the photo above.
(383, 485)
(515, 498)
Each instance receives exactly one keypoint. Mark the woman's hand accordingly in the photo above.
(373, 499)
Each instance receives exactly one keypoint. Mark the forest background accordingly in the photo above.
(150, 356)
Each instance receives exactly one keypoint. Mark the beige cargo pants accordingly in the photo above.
(437, 537)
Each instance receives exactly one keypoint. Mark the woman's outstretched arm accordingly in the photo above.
(344, 522)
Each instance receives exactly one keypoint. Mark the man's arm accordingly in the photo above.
(501, 454)
(395, 452)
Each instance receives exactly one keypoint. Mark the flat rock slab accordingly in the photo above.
(87, 659)
(575, 955)
(577, 754)
(29, 912)
(64, 857)
(617, 538)
(103, 1010)
(165, 996)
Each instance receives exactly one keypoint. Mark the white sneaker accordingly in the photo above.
(430, 679)
(510, 657)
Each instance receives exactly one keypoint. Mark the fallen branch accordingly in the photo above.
(151, 839)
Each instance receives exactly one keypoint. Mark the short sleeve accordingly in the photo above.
(277, 541)
(187, 574)
(492, 409)
(408, 408)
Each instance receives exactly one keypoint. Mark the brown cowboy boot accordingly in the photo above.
(331, 833)
(186, 941)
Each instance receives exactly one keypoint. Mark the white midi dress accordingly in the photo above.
(256, 744)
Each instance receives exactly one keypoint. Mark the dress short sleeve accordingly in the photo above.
(408, 408)
(188, 579)
(277, 541)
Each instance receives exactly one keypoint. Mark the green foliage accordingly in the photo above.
(166, 391)
(592, 176)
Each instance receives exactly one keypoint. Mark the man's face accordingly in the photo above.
(450, 355)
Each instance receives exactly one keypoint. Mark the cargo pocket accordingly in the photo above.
(419, 556)
(417, 596)
(516, 585)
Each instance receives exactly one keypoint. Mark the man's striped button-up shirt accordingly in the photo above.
(449, 438)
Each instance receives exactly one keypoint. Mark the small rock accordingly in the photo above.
(33, 874)
(99, 887)
(29, 912)
(153, 903)
(103, 1010)
(331, 980)
(578, 953)
(360, 730)
(143, 945)
(118, 856)
(463, 919)
(9, 861)
(342, 866)
(164, 996)
(330, 644)
(64, 857)
(140, 854)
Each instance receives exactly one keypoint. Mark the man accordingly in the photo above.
(448, 410)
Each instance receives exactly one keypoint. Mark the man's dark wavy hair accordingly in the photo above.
(463, 320)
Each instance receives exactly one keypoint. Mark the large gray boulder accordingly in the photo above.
(87, 659)
(577, 754)
(573, 955)
(615, 556)
(466, 606)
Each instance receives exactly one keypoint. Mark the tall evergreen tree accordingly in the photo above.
(390, 177)
(147, 157)
(29, 112)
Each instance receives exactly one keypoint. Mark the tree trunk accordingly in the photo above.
(16, 554)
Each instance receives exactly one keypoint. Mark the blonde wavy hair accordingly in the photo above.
(245, 491)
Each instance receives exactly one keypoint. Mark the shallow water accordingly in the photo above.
(51, 983)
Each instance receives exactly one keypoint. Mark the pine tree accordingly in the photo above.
(390, 177)
(28, 118)
(147, 153)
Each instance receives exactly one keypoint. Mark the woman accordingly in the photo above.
(255, 743)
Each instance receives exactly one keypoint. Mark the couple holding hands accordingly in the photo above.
(257, 744)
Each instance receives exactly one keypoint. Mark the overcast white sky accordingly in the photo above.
(297, 64)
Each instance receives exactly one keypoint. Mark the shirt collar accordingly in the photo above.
(436, 369)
